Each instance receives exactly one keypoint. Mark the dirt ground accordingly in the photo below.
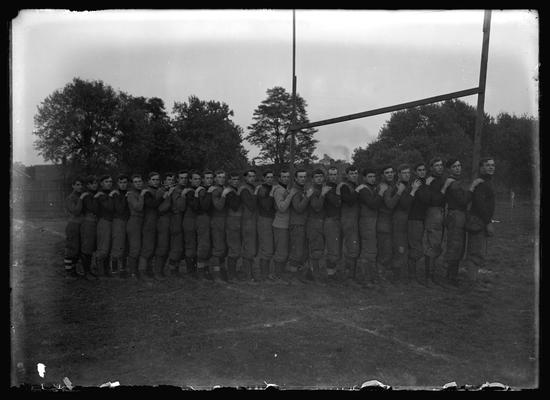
(200, 334)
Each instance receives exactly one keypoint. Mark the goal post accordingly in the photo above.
(479, 90)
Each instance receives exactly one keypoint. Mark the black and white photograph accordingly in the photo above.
(274, 199)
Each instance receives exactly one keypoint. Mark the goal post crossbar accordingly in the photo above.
(384, 110)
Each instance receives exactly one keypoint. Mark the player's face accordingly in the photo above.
(195, 180)
(92, 186)
(122, 184)
(208, 180)
(333, 175)
(437, 168)
(137, 183)
(268, 179)
(234, 181)
(284, 177)
(489, 167)
(107, 184)
(389, 175)
(301, 178)
(405, 175)
(456, 168)
(371, 178)
(250, 177)
(318, 179)
(220, 179)
(353, 176)
(183, 179)
(421, 172)
(169, 181)
(154, 181)
(78, 187)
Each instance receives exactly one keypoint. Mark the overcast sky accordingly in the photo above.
(346, 62)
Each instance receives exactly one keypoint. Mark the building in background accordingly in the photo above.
(38, 191)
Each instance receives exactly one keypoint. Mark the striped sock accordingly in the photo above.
(68, 264)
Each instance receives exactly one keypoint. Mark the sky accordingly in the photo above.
(347, 61)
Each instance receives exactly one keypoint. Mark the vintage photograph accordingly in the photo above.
(275, 199)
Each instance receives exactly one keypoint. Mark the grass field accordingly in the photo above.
(200, 334)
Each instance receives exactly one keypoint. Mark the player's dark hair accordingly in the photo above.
(77, 179)
(104, 177)
(450, 162)
(369, 170)
(434, 160)
(90, 179)
(403, 167)
(420, 164)
(318, 171)
(484, 160)
(298, 171)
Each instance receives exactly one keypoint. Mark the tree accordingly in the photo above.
(447, 130)
(145, 141)
(207, 136)
(270, 133)
(77, 126)
(511, 142)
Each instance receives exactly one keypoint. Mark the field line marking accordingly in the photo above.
(410, 346)
(22, 222)
(251, 327)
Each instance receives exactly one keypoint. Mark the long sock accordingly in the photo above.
(114, 265)
(149, 269)
(351, 264)
(331, 269)
(361, 272)
(106, 267)
(223, 268)
(256, 272)
(247, 268)
(143, 265)
(452, 271)
(264, 269)
(87, 264)
(427, 272)
(160, 262)
(214, 270)
(231, 267)
(133, 266)
(318, 274)
(174, 266)
(68, 262)
(201, 269)
(189, 264)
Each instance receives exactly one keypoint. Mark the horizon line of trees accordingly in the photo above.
(89, 127)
